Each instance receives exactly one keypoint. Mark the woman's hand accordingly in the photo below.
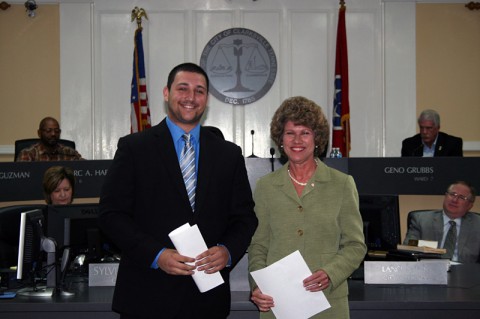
(263, 302)
(317, 281)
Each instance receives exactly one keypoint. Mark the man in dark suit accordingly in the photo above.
(430, 141)
(145, 197)
(434, 225)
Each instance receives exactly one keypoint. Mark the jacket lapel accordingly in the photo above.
(167, 154)
(465, 230)
(206, 162)
(283, 181)
(440, 147)
(438, 227)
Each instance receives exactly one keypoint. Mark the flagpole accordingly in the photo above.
(140, 112)
(341, 104)
(347, 124)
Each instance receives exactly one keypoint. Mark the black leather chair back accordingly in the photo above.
(25, 143)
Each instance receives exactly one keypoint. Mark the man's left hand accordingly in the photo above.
(212, 260)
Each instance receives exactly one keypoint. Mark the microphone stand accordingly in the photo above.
(253, 155)
(272, 160)
(61, 289)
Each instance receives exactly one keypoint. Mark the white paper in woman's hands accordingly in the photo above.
(189, 242)
(283, 281)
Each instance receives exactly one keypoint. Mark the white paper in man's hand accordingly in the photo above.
(189, 242)
(283, 281)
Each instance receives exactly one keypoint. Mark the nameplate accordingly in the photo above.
(102, 274)
(424, 272)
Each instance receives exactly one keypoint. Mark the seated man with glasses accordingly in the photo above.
(48, 148)
(462, 241)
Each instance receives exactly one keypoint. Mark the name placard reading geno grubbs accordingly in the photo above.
(104, 274)
(425, 272)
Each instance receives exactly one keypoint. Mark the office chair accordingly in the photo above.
(25, 143)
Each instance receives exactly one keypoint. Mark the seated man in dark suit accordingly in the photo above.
(435, 225)
(430, 141)
(48, 149)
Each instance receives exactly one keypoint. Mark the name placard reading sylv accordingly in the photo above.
(102, 274)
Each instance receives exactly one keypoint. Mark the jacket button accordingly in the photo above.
(300, 232)
(300, 209)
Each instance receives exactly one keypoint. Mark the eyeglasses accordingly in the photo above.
(458, 196)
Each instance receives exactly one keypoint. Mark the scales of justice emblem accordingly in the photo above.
(240, 64)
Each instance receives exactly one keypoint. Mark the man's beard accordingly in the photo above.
(51, 142)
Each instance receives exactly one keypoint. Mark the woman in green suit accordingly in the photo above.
(309, 207)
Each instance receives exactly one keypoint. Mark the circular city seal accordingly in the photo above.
(241, 66)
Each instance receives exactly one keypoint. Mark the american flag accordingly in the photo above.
(140, 114)
(341, 103)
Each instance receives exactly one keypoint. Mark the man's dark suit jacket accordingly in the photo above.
(447, 145)
(428, 225)
(144, 199)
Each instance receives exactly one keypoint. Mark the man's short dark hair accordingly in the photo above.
(44, 121)
(187, 67)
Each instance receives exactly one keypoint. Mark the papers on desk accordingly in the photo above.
(189, 242)
(283, 281)
(428, 243)
(423, 249)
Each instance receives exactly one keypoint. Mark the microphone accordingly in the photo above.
(253, 155)
(272, 160)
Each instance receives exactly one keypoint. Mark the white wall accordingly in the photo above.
(96, 66)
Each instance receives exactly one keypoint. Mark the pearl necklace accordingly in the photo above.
(293, 179)
(297, 182)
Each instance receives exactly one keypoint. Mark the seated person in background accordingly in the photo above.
(435, 225)
(430, 142)
(59, 185)
(48, 149)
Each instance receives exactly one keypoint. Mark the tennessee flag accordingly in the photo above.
(341, 104)
(140, 113)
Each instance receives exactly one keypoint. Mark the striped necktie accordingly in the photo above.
(187, 165)
(450, 240)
